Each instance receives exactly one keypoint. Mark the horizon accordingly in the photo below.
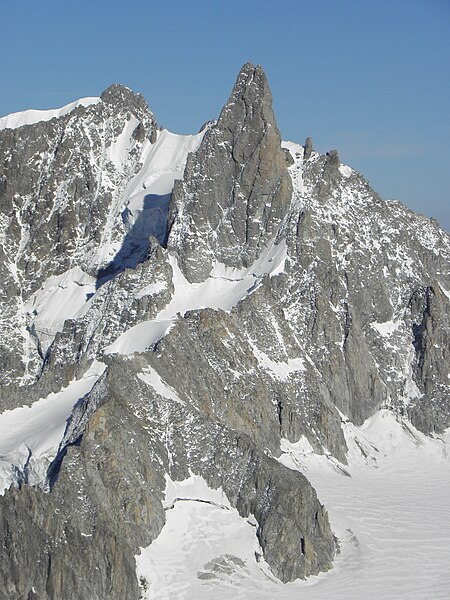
(366, 80)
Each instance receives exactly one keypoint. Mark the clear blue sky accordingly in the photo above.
(368, 77)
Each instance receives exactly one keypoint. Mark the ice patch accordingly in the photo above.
(446, 292)
(296, 150)
(411, 391)
(345, 171)
(296, 169)
(280, 370)
(152, 378)
(150, 290)
(387, 328)
(301, 447)
(118, 151)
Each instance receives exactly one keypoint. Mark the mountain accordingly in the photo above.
(204, 323)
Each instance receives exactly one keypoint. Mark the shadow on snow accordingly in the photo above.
(150, 221)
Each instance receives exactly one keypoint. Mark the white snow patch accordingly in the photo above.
(29, 117)
(280, 370)
(382, 435)
(411, 390)
(118, 151)
(141, 337)
(387, 328)
(30, 436)
(223, 289)
(446, 292)
(152, 378)
(296, 150)
(345, 170)
(303, 446)
(296, 169)
(61, 297)
(151, 289)
(205, 550)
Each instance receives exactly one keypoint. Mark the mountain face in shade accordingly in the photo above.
(180, 310)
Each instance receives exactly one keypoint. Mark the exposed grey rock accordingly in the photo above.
(308, 148)
(103, 506)
(430, 312)
(333, 158)
(222, 565)
(236, 189)
(288, 157)
(357, 261)
(105, 502)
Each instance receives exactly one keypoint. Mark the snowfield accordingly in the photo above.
(389, 508)
(60, 298)
(163, 163)
(205, 546)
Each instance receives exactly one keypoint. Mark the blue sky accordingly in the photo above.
(369, 78)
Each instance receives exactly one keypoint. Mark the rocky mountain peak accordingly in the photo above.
(236, 188)
(121, 95)
(249, 107)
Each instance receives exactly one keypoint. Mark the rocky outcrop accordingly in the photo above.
(308, 148)
(105, 496)
(236, 189)
(356, 282)
(103, 505)
(430, 313)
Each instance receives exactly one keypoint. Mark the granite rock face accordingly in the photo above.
(105, 502)
(284, 298)
(308, 148)
(236, 189)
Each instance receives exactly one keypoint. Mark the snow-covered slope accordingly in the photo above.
(30, 436)
(28, 117)
(205, 546)
(223, 289)
(392, 522)
(62, 297)
(146, 198)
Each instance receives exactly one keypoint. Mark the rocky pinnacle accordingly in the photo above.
(236, 188)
